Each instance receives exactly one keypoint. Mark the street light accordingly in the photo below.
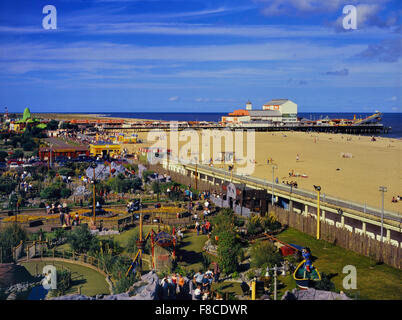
(318, 189)
(272, 199)
(382, 189)
(275, 269)
(93, 166)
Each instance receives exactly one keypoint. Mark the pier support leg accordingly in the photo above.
(364, 228)
(388, 239)
(322, 215)
(305, 212)
(342, 222)
(290, 205)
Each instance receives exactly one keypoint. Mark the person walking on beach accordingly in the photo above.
(297, 157)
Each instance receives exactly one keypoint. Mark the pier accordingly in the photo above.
(367, 129)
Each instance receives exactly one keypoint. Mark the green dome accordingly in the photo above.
(26, 115)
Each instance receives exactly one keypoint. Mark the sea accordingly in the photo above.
(393, 120)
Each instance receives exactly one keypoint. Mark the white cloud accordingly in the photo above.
(175, 98)
(109, 51)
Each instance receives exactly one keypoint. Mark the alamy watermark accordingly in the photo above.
(49, 22)
(49, 282)
(350, 281)
(350, 20)
(190, 146)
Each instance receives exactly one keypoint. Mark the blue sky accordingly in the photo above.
(200, 56)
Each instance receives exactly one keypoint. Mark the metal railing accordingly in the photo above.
(394, 216)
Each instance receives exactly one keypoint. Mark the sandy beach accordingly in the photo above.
(372, 163)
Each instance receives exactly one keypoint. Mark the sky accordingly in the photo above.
(200, 55)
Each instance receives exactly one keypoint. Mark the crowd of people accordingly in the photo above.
(290, 183)
(396, 199)
(204, 227)
(199, 287)
(67, 219)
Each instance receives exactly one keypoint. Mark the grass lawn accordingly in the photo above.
(123, 237)
(91, 281)
(228, 287)
(190, 251)
(374, 282)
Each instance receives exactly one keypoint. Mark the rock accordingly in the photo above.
(313, 294)
(12, 296)
(145, 289)
(73, 297)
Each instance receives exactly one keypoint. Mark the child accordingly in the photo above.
(198, 293)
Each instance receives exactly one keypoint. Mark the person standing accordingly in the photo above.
(217, 272)
(62, 218)
(67, 217)
(181, 283)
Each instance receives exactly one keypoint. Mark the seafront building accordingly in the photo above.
(275, 112)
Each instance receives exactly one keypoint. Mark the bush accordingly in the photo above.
(81, 240)
(65, 193)
(124, 283)
(66, 171)
(264, 254)
(250, 275)
(325, 284)
(132, 245)
(63, 282)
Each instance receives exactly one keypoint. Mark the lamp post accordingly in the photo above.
(318, 189)
(93, 166)
(382, 189)
(275, 269)
(272, 199)
(196, 173)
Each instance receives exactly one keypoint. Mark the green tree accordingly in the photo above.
(3, 155)
(18, 154)
(7, 185)
(156, 188)
(81, 239)
(51, 192)
(28, 145)
(66, 171)
(9, 238)
(52, 125)
(65, 193)
(228, 251)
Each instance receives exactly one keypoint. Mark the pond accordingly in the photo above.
(38, 293)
